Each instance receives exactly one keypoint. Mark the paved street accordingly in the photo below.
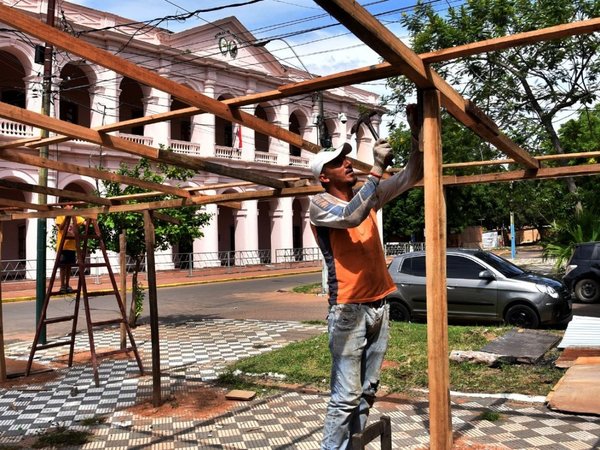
(204, 328)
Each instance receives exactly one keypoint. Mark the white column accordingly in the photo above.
(206, 248)
(109, 81)
(31, 246)
(278, 146)
(282, 236)
(206, 123)
(246, 233)
(158, 102)
(248, 145)
(33, 93)
(308, 238)
(100, 114)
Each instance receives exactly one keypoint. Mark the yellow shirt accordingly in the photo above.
(70, 243)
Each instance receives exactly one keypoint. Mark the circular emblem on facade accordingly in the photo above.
(223, 46)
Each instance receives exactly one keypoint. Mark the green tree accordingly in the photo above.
(525, 89)
(167, 234)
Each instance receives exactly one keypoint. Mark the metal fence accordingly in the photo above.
(197, 263)
(397, 248)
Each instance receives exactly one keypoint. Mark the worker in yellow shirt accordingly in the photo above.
(68, 257)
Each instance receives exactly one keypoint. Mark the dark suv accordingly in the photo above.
(481, 286)
(582, 275)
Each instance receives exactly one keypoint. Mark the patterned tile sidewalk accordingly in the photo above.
(195, 352)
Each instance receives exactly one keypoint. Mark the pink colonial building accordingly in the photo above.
(220, 61)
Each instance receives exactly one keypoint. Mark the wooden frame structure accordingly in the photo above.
(400, 60)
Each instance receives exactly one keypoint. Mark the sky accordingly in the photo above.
(320, 43)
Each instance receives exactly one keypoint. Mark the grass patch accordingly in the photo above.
(308, 362)
(313, 288)
(61, 437)
(490, 416)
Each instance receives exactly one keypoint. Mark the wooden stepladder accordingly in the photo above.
(82, 235)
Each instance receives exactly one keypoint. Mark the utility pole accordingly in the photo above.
(324, 138)
(40, 287)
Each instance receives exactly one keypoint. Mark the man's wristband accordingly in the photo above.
(375, 175)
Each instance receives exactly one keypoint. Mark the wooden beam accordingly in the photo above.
(153, 302)
(166, 218)
(515, 40)
(2, 346)
(24, 158)
(54, 191)
(29, 25)
(146, 120)
(142, 195)
(519, 175)
(448, 180)
(353, 76)
(59, 126)
(497, 162)
(440, 423)
(368, 29)
(23, 205)
(176, 203)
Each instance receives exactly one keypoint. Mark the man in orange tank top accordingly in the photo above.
(345, 225)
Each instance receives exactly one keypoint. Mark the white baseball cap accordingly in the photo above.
(327, 155)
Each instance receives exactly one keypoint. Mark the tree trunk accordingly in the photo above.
(134, 293)
(570, 181)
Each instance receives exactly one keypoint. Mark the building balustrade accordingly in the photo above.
(265, 157)
(10, 128)
(144, 140)
(187, 148)
(298, 161)
(227, 152)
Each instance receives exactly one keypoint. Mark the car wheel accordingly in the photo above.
(399, 312)
(587, 290)
(522, 316)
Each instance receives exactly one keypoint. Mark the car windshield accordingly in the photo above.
(503, 266)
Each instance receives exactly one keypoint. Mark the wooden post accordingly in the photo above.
(2, 356)
(153, 301)
(440, 424)
(123, 279)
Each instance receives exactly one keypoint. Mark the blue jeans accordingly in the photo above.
(358, 339)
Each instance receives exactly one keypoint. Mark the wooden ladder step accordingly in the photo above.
(115, 352)
(58, 319)
(107, 322)
(52, 344)
(100, 293)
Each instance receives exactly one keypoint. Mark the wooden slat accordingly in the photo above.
(142, 195)
(497, 162)
(23, 22)
(166, 218)
(516, 175)
(117, 143)
(440, 424)
(146, 120)
(175, 203)
(54, 191)
(24, 158)
(448, 180)
(24, 205)
(515, 40)
(391, 48)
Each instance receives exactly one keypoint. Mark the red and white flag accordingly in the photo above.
(237, 136)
